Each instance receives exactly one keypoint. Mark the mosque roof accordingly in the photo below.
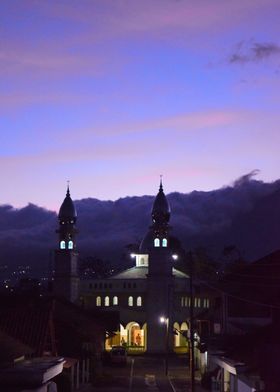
(141, 273)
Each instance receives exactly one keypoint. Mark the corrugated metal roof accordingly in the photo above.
(141, 273)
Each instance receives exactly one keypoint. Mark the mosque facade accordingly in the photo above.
(152, 298)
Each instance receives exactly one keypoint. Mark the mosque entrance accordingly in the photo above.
(132, 336)
(136, 337)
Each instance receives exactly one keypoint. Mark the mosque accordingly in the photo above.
(152, 298)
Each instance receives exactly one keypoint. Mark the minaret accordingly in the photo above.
(160, 256)
(159, 279)
(66, 279)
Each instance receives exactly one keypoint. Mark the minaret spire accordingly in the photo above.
(160, 184)
(68, 190)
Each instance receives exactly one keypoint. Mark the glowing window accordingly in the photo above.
(156, 243)
(70, 245)
(107, 301)
(62, 244)
(130, 301)
(186, 301)
(98, 301)
(139, 301)
(164, 242)
(115, 300)
(182, 301)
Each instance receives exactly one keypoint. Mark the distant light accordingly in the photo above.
(132, 255)
(175, 257)
(6, 286)
(162, 319)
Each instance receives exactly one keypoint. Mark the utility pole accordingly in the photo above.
(192, 361)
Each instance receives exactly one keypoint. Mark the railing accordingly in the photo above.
(135, 349)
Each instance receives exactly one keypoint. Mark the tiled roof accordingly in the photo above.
(30, 322)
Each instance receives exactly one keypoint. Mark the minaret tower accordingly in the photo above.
(159, 257)
(66, 279)
(159, 279)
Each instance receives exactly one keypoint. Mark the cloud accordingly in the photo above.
(246, 178)
(245, 214)
(250, 52)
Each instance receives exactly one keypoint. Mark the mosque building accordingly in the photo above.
(152, 298)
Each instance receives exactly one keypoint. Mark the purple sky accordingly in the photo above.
(112, 93)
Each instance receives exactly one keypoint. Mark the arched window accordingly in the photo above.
(70, 245)
(139, 301)
(98, 301)
(107, 301)
(62, 244)
(156, 242)
(130, 301)
(164, 242)
(115, 300)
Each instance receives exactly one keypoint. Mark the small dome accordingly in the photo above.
(161, 208)
(147, 243)
(67, 210)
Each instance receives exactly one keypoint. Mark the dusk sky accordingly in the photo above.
(109, 94)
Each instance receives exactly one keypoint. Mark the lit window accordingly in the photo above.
(186, 301)
(156, 242)
(62, 244)
(70, 245)
(182, 301)
(164, 242)
(139, 301)
(98, 301)
(130, 301)
(198, 302)
(115, 300)
(107, 301)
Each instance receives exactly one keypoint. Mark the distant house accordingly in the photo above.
(251, 344)
(52, 330)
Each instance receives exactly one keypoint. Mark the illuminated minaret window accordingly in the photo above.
(156, 242)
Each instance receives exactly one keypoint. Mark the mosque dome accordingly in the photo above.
(147, 243)
(67, 211)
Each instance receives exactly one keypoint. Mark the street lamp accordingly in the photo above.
(165, 320)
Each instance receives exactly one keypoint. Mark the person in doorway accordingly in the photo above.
(138, 340)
